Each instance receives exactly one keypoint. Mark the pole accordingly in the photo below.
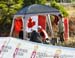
(50, 26)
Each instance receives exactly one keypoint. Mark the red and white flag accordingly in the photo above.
(32, 23)
(35, 21)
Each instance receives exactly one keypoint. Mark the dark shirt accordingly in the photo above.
(21, 34)
(42, 34)
(35, 37)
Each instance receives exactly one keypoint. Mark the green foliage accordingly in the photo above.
(73, 1)
(29, 2)
(60, 8)
(40, 1)
(7, 9)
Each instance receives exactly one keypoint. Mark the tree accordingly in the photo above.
(73, 1)
(29, 2)
(8, 9)
(59, 7)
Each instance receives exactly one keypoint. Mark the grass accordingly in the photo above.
(69, 43)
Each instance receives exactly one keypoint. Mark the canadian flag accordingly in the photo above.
(35, 21)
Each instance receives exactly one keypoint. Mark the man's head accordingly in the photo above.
(60, 15)
(39, 28)
(33, 29)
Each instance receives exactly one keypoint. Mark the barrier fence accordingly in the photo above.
(16, 48)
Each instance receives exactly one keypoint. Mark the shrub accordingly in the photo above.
(60, 8)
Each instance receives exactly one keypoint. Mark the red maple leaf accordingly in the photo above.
(31, 23)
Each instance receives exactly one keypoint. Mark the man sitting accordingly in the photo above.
(43, 34)
(35, 37)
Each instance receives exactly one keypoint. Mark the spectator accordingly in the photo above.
(61, 29)
(35, 37)
(21, 33)
(43, 34)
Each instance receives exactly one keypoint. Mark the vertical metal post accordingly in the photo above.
(12, 26)
(24, 26)
(50, 25)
